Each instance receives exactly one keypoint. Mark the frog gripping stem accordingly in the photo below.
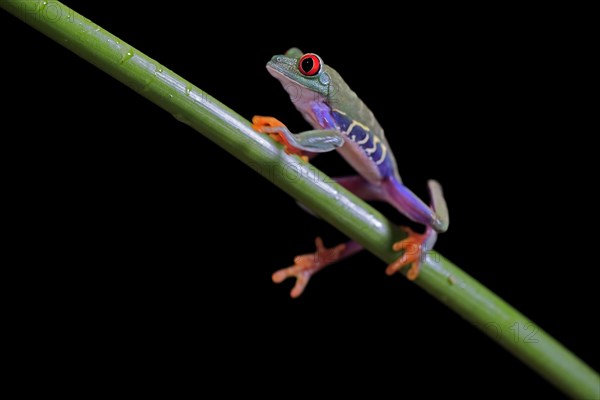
(269, 126)
(415, 246)
(306, 265)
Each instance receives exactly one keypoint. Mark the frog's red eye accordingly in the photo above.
(309, 64)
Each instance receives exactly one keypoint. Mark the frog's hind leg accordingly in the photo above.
(306, 265)
(435, 219)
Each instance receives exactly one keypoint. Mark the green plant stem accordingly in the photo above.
(346, 212)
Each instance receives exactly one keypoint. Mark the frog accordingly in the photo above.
(342, 122)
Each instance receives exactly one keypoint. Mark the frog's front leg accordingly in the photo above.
(313, 141)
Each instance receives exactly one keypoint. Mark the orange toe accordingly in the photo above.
(412, 246)
(259, 123)
(307, 265)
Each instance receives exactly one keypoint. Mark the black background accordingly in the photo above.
(158, 246)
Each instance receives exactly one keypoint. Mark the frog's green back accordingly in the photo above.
(342, 98)
(345, 100)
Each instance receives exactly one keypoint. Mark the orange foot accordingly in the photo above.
(413, 247)
(259, 123)
(307, 264)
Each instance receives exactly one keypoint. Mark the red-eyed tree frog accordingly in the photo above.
(342, 122)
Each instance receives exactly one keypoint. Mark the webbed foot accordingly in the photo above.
(307, 264)
(415, 247)
(269, 126)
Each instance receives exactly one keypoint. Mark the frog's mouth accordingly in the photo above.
(283, 76)
(280, 61)
(282, 66)
(300, 95)
(275, 70)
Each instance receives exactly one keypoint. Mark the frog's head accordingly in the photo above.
(304, 76)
